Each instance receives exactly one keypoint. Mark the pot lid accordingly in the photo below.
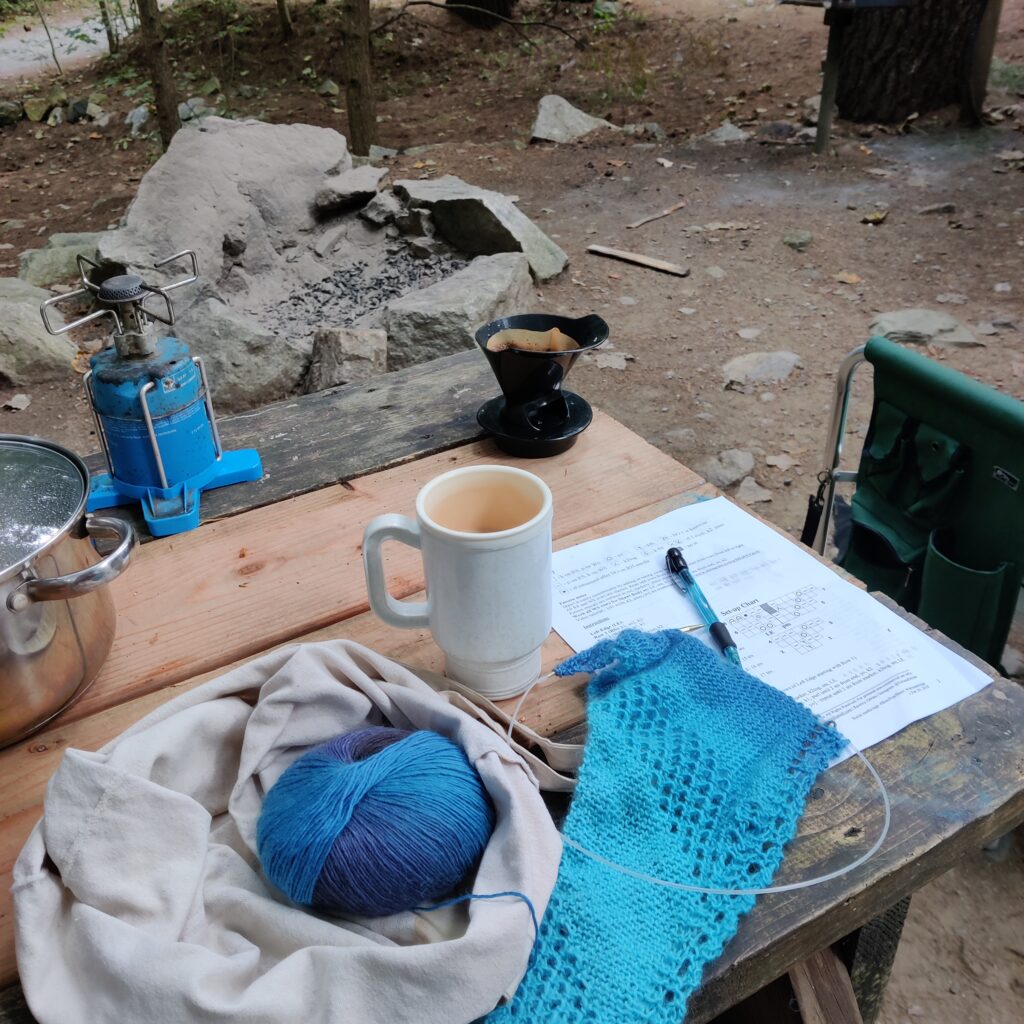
(42, 490)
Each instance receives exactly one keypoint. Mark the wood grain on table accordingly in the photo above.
(191, 606)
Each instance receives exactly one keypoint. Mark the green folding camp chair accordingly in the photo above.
(938, 513)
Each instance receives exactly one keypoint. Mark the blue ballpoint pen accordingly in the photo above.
(683, 579)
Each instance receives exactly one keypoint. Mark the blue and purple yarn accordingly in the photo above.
(374, 822)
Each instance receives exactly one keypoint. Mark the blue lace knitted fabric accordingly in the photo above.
(694, 771)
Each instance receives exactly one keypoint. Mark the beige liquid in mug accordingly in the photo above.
(531, 341)
(483, 507)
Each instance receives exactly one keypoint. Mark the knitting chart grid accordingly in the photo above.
(788, 622)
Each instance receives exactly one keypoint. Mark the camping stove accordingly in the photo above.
(151, 400)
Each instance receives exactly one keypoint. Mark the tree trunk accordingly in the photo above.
(113, 43)
(154, 39)
(356, 73)
(287, 31)
(899, 62)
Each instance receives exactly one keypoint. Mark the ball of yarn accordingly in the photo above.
(374, 822)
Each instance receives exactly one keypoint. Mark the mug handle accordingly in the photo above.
(403, 614)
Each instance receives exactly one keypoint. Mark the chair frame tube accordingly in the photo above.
(832, 474)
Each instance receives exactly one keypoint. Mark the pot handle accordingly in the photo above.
(60, 588)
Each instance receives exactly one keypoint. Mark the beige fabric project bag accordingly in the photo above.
(138, 896)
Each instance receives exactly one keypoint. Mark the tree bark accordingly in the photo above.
(287, 30)
(899, 62)
(113, 43)
(357, 75)
(154, 37)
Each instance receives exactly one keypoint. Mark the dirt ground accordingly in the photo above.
(470, 96)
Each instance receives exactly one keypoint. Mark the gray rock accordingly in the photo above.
(18, 403)
(797, 240)
(937, 208)
(750, 492)
(246, 182)
(350, 188)
(28, 355)
(812, 109)
(56, 261)
(415, 221)
(426, 246)
(727, 132)
(382, 153)
(606, 8)
(210, 86)
(11, 112)
(136, 118)
(728, 467)
(1013, 662)
(481, 223)
(36, 108)
(55, 117)
(193, 108)
(345, 355)
(247, 365)
(94, 110)
(715, 271)
(681, 437)
(441, 319)
(558, 120)
(648, 129)
(776, 131)
(328, 88)
(76, 110)
(382, 209)
(757, 367)
(922, 327)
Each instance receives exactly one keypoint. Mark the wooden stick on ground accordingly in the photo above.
(657, 216)
(642, 261)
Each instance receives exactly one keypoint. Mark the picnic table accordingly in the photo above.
(279, 561)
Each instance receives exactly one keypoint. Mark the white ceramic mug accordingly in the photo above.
(485, 534)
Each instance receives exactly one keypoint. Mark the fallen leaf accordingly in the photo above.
(664, 163)
(875, 217)
(616, 163)
(1011, 154)
(18, 402)
(848, 277)
(615, 277)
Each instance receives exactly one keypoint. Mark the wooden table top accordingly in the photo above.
(191, 606)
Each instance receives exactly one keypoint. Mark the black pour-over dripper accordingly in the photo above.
(535, 416)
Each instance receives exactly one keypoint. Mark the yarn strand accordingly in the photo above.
(469, 896)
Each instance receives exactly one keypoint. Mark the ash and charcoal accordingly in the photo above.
(355, 294)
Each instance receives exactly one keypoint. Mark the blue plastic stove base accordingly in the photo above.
(176, 509)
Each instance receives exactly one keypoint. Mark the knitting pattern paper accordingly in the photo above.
(693, 771)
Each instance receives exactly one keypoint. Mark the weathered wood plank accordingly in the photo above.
(240, 585)
(956, 778)
(27, 766)
(824, 991)
(316, 440)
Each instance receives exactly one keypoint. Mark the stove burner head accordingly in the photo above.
(122, 288)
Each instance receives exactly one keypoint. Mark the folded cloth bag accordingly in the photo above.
(139, 896)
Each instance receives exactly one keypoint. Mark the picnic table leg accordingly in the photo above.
(869, 953)
(836, 21)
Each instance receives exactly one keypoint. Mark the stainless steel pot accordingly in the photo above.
(56, 613)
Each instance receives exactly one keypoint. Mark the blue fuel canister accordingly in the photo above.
(151, 399)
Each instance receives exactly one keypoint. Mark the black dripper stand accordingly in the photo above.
(534, 417)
